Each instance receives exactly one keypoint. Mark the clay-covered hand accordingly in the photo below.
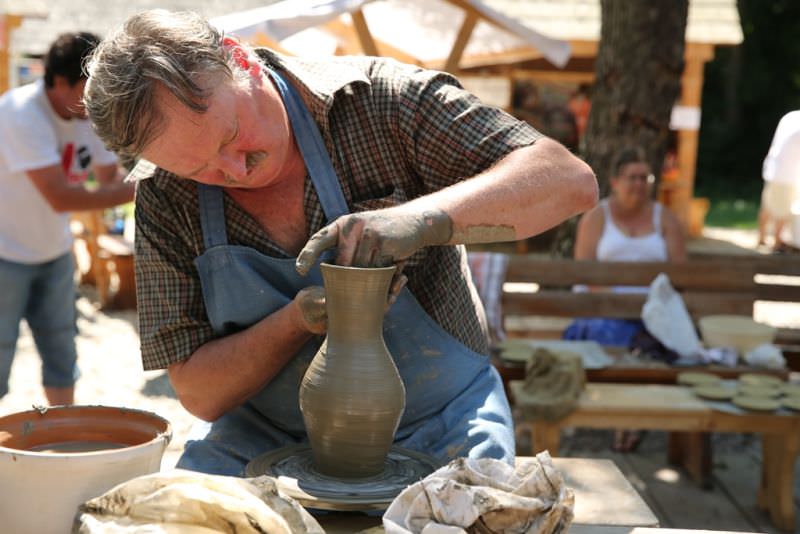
(313, 312)
(378, 238)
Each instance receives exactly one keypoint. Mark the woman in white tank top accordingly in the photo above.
(626, 226)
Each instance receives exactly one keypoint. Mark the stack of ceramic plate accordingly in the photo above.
(692, 378)
(706, 385)
(791, 395)
(758, 392)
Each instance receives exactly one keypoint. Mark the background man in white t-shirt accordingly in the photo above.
(47, 150)
(781, 174)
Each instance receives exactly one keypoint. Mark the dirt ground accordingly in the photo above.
(108, 347)
(111, 372)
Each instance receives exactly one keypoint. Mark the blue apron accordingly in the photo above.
(455, 404)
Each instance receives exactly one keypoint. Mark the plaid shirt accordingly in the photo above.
(394, 132)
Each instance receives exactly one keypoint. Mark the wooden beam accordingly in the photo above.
(346, 36)
(470, 20)
(262, 39)
(554, 76)
(699, 51)
(580, 49)
(583, 48)
(719, 275)
(364, 35)
(344, 32)
(619, 305)
(508, 57)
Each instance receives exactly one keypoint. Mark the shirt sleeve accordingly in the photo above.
(172, 317)
(450, 135)
(29, 141)
(786, 164)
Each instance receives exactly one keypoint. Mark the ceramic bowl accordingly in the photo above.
(737, 331)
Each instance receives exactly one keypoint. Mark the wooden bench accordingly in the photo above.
(708, 285)
(724, 285)
(110, 261)
(661, 407)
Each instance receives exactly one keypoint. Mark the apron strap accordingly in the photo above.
(315, 155)
(212, 215)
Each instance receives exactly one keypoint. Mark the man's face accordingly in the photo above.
(68, 101)
(243, 140)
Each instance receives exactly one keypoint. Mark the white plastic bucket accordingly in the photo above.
(42, 485)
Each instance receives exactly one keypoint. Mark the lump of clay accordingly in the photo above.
(552, 385)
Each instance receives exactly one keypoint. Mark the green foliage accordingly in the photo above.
(738, 213)
(734, 201)
(747, 89)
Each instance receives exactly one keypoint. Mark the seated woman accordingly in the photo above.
(626, 226)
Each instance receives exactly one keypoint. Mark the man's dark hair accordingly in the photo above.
(66, 56)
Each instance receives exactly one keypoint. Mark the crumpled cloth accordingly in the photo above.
(766, 355)
(484, 496)
(666, 318)
(180, 501)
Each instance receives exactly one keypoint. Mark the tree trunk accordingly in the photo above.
(637, 81)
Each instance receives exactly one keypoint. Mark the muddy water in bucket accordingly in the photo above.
(54, 459)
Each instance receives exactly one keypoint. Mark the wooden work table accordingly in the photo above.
(605, 502)
(676, 408)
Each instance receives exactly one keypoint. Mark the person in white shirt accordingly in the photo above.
(781, 173)
(47, 150)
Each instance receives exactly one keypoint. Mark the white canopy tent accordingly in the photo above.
(433, 33)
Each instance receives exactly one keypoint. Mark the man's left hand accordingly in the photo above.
(378, 238)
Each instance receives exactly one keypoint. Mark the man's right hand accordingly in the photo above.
(313, 312)
(313, 309)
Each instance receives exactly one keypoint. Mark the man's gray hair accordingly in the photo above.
(180, 51)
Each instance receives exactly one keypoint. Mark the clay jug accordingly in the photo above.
(352, 396)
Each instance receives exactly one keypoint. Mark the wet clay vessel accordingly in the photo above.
(352, 396)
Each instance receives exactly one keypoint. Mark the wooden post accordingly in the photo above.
(7, 24)
(470, 19)
(691, 96)
(364, 35)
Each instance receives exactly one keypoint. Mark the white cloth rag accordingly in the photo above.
(486, 495)
(185, 502)
(766, 355)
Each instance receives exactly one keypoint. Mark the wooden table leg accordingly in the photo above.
(546, 436)
(692, 451)
(777, 477)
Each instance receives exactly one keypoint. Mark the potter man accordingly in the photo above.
(262, 165)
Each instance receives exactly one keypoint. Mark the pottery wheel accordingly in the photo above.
(293, 467)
